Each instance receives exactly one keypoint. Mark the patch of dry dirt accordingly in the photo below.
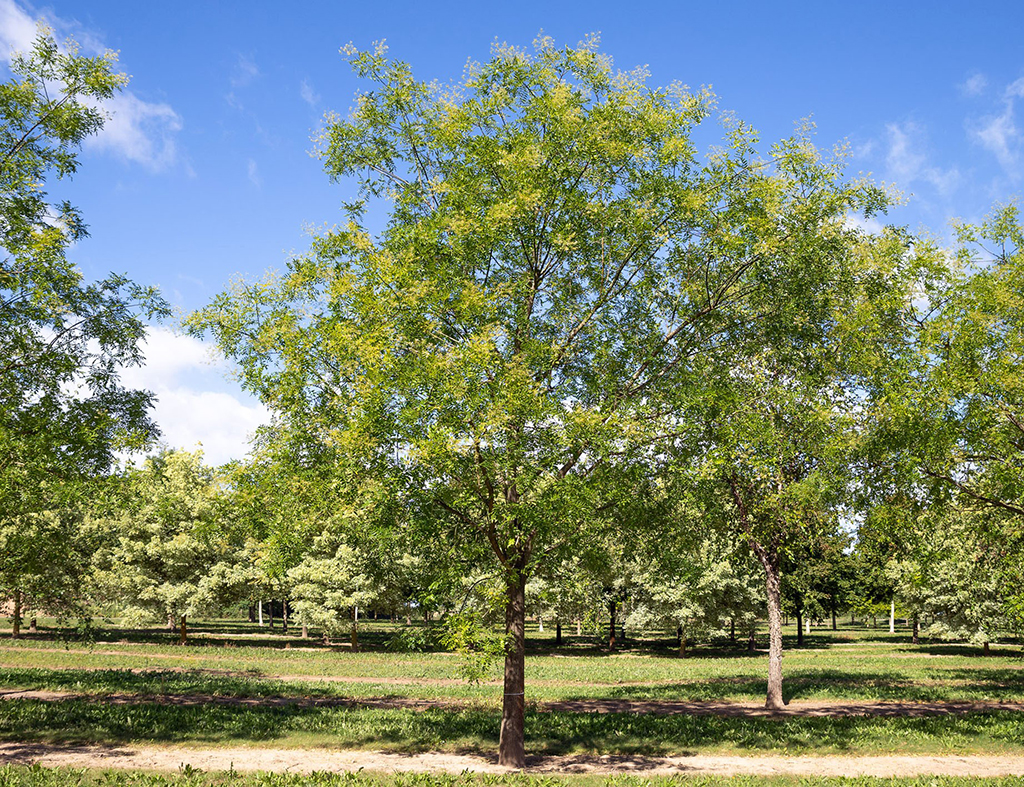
(155, 758)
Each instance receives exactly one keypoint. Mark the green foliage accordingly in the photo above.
(162, 543)
(471, 635)
(63, 413)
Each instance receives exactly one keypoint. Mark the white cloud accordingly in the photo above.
(139, 131)
(998, 134)
(254, 174)
(907, 162)
(17, 29)
(871, 226)
(181, 371)
(308, 94)
(974, 85)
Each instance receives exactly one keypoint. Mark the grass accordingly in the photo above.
(243, 661)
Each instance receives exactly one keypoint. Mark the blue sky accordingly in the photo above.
(204, 173)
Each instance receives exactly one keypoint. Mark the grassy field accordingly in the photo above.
(226, 688)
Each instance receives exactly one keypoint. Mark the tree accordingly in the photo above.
(63, 413)
(557, 265)
(163, 542)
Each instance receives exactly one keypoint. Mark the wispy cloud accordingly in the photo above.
(136, 130)
(309, 95)
(997, 132)
(974, 85)
(254, 174)
(907, 161)
(244, 71)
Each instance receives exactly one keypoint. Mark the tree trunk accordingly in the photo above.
(732, 630)
(611, 629)
(171, 622)
(799, 628)
(32, 629)
(270, 613)
(853, 620)
(984, 649)
(284, 616)
(807, 625)
(261, 611)
(305, 631)
(252, 613)
(183, 632)
(16, 617)
(752, 640)
(579, 627)
(682, 646)
(892, 615)
(355, 629)
(835, 624)
(558, 632)
(773, 586)
(512, 741)
(540, 624)
(914, 638)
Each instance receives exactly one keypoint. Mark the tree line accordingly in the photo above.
(580, 365)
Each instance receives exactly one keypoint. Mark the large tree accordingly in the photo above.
(63, 413)
(508, 351)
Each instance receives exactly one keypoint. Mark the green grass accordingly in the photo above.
(12, 776)
(476, 729)
(242, 661)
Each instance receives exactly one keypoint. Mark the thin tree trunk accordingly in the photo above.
(252, 613)
(835, 624)
(984, 649)
(752, 640)
(773, 586)
(558, 632)
(512, 740)
(799, 628)
(853, 620)
(261, 611)
(892, 615)
(32, 629)
(355, 629)
(284, 616)
(914, 638)
(270, 613)
(183, 632)
(540, 624)
(16, 617)
(682, 646)
(611, 629)
(305, 631)
(579, 627)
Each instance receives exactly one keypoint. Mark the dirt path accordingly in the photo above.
(306, 760)
(654, 707)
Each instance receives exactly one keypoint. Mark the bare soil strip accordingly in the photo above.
(154, 758)
(654, 707)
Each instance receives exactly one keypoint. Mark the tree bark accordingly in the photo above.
(835, 623)
(284, 616)
(773, 586)
(261, 611)
(579, 627)
(984, 649)
(305, 631)
(512, 740)
(16, 617)
(355, 629)
(914, 638)
(32, 628)
(611, 629)
(183, 632)
(892, 615)
(682, 645)
(558, 632)
(752, 640)
(799, 628)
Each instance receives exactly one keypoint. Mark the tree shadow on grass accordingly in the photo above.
(80, 722)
